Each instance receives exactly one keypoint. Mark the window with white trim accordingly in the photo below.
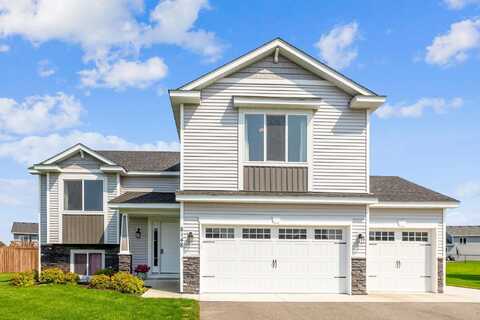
(420, 236)
(83, 195)
(256, 233)
(276, 137)
(328, 234)
(219, 233)
(86, 263)
(292, 234)
(382, 236)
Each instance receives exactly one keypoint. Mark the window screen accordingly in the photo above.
(254, 130)
(275, 138)
(297, 138)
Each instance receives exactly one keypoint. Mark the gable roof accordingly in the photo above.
(289, 51)
(153, 161)
(25, 227)
(463, 230)
(396, 189)
(79, 147)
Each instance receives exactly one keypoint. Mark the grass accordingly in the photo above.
(77, 302)
(461, 274)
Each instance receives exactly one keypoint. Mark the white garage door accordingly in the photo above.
(399, 261)
(273, 260)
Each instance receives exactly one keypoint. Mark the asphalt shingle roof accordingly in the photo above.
(144, 160)
(25, 227)
(145, 197)
(463, 230)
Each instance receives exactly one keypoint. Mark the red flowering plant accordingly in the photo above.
(141, 270)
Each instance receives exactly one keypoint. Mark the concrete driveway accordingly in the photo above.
(338, 311)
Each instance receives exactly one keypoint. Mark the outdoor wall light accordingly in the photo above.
(138, 234)
(190, 236)
(360, 237)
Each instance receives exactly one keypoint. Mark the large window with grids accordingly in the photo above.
(219, 233)
(292, 234)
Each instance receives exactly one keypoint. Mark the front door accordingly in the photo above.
(165, 256)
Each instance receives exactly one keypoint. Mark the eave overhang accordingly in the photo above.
(371, 103)
(276, 102)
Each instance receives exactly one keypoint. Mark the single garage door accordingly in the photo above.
(399, 261)
(273, 259)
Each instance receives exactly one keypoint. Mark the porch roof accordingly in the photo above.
(144, 198)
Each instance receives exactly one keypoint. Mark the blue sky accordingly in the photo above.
(99, 72)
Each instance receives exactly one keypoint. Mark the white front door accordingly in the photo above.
(274, 259)
(165, 251)
(399, 261)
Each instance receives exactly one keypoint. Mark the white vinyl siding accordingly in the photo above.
(53, 209)
(43, 208)
(77, 162)
(211, 133)
(150, 184)
(194, 212)
(138, 247)
(111, 216)
(406, 217)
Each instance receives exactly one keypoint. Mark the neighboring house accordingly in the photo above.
(463, 242)
(271, 192)
(25, 232)
(2, 244)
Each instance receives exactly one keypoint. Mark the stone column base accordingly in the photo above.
(359, 276)
(125, 263)
(191, 274)
(440, 266)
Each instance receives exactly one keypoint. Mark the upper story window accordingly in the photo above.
(276, 137)
(83, 195)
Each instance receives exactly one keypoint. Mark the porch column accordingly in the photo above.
(124, 256)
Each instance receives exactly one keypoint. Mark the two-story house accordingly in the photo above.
(270, 192)
(24, 233)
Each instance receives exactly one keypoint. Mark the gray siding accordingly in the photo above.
(138, 247)
(155, 184)
(411, 216)
(43, 208)
(77, 162)
(211, 133)
(193, 213)
(287, 179)
(53, 209)
(83, 229)
(111, 216)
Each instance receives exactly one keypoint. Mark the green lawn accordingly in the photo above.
(76, 302)
(461, 274)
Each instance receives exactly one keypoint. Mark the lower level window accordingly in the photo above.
(415, 236)
(382, 236)
(87, 263)
(328, 234)
(255, 233)
(219, 233)
(290, 233)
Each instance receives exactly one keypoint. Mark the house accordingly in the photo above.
(463, 242)
(24, 232)
(270, 192)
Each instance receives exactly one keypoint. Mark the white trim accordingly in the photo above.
(82, 177)
(127, 234)
(48, 208)
(112, 169)
(308, 82)
(39, 224)
(307, 221)
(276, 102)
(444, 248)
(367, 178)
(153, 173)
(275, 199)
(182, 244)
(178, 97)
(39, 168)
(439, 204)
(289, 52)
(182, 124)
(367, 102)
(367, 240)
(75, 149)
(402, 225)
(144, 205)
(276, 163)
(85, 251)
(118, 211)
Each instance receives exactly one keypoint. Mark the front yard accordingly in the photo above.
(461, 274)
(77, 302)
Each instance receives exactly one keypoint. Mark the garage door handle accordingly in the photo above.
(208, 276)
(425, 276)
(340, 277)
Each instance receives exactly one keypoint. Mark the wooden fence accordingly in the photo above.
(18, 259)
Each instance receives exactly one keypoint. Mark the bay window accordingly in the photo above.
(276, 137)
(83, 195)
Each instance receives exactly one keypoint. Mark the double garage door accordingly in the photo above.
(399, 261)
(273, 259)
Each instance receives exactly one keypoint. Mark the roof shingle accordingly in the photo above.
(145, 197)
(25, 227)
(463, 230)
(155, 161)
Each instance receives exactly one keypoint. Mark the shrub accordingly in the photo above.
(23, 279)
(100, 281)
(107, 271)
(52, 275)
(71, 278)
(127, 283)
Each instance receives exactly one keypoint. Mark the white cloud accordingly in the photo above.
(416, 110)
(38, 114)
(459, 4)
(124, 74)
(33, 149)
(4, 48)
(13, 192)
(454, 46)
(45, 69)
(467, 214)
(109, 28)
(469, 189)
(336, 47)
